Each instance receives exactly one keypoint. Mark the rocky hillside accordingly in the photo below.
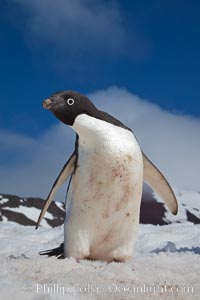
(25, 211)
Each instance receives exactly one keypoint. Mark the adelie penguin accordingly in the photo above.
(106, 170)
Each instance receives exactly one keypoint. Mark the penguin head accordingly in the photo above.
(67, 105)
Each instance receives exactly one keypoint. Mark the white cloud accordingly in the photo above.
(72, 24)
(34, 163)
(171, 142)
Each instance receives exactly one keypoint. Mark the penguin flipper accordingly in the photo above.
(154, 178)
(62, 177)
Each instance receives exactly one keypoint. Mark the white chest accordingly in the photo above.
(109, 171)
(105, 192)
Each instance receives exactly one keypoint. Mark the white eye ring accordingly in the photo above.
(70, 101)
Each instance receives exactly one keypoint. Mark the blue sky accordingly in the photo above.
(151, 48)
(145, 48)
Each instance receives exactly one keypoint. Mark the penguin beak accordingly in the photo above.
(47, 103)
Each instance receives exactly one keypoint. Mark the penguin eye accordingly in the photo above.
(70, 101)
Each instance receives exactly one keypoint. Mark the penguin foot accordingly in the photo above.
(57, 252)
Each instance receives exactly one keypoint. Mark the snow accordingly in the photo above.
(3, 200)
(31, 212)
(165, 265)
(60, 205)
(4, 219)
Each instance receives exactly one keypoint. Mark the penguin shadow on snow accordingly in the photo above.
(171, 247)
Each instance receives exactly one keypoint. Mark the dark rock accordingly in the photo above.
(152, 211)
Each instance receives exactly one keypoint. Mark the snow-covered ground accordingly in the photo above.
(165, 265)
